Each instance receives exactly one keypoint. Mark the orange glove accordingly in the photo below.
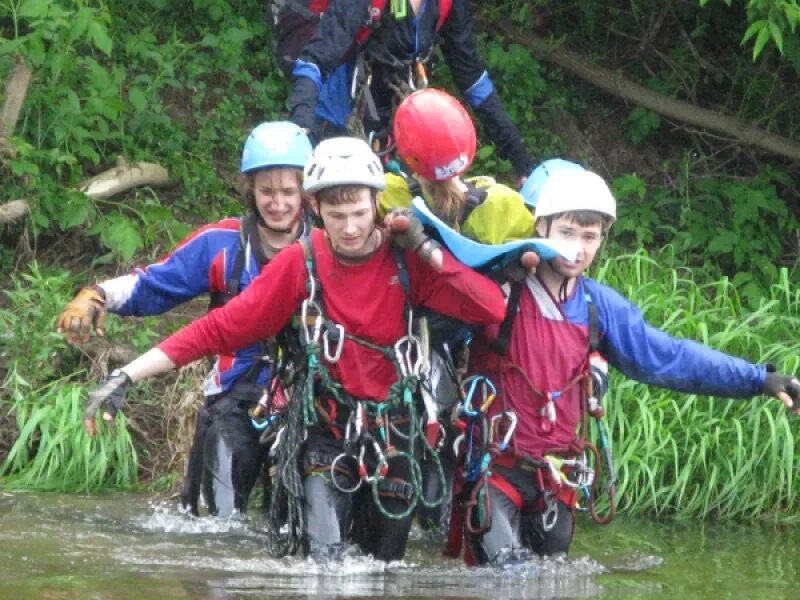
(87, 309)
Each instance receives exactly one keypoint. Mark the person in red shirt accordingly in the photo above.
(353, 408)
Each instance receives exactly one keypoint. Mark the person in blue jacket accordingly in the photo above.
(545, 363)
(219, 259)
(341, 82)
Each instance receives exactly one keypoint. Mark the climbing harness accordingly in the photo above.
(372, 427)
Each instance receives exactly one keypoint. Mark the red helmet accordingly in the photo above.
(434, 134)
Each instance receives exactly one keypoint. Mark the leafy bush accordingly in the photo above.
(732, 227)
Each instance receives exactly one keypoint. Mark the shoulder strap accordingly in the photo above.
(500, 345)
(444, 12)
(402, 272)
(307, 243)
(594, 324)
(475, 197)
(234, 283)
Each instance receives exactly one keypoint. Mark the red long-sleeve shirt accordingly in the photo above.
(367, 299)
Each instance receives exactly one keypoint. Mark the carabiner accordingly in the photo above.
(457, 444)
(550, 514)
(326, 350)
(333, 476)
(494, 429)
(466, 406)
(317, 327)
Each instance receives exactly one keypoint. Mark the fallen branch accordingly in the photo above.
(124, 177)
(117, 354)
(11, 211)
(614, 83)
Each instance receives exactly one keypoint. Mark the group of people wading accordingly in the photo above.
(381, 377)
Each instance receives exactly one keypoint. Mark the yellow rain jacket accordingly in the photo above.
(501, 217)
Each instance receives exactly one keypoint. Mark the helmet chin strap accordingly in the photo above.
(564, 286)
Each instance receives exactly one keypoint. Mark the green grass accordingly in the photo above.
(689, 456)
(53, 452)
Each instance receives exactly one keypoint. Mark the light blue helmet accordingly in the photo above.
(533, 185)
(275, 144)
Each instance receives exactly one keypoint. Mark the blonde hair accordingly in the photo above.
(447, 198)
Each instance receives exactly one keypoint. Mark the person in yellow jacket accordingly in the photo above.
(435, 138)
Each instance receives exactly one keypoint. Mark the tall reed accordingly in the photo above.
(52, 451)
(688, 456)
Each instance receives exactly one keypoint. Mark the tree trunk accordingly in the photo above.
(614, 83)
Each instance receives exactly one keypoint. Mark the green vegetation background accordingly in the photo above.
(706, 243)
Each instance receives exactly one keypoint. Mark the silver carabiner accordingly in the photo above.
(400, 356)
(333, 476)
(308, 335)
(417, 364)
(550, 514)
(512, 427)
(457, 444)
(337, 354)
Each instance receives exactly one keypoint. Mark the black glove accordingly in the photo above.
(777, 383)
(109, 395)
(413, 237)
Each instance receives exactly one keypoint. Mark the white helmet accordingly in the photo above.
(571, 190)
(343, 161)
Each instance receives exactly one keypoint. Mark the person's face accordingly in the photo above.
(349, 225)
(278, 196)
(588, 237)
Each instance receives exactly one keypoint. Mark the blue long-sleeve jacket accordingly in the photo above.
(203, 263)
(323, 71)
(549, 342)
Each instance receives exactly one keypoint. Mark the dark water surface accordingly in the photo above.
(126, 546)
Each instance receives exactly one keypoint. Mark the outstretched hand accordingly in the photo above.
(407, 232)
(109, 396)
(785, 388)
(86, 310)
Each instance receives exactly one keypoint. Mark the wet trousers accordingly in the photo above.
(226, 458)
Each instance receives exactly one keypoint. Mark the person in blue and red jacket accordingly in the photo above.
(399, 45)
(220, 259)
(545, 360)
(352, 423)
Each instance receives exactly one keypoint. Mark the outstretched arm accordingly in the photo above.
(647, 354)
(256, 314)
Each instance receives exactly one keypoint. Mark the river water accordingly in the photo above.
(130, 546)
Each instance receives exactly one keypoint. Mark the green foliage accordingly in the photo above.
(730, 226)
(52, 452)
(640, 123)
(136, 80)
(695, 457)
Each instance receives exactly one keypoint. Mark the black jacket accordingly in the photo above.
(333, 46)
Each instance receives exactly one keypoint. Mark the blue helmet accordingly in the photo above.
(275, 144)
(533, 185)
